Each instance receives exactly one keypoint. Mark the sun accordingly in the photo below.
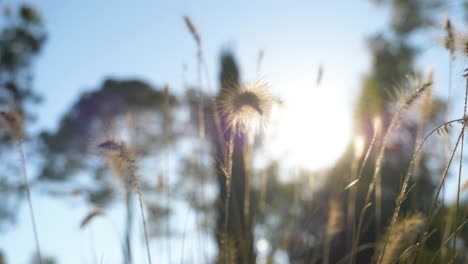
(311, 129)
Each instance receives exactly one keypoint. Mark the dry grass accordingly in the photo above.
(400, 238)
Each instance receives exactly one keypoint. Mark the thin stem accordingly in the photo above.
(28, 195)
(447, 136)
(201, 105)
(447, 240)
(259, 61)
(128, 227)
(248, 167)
(434, 202)
(460, 172)
(360, 248)
(143, 219)
(228, 172)
(380, 157)
(135, 177)
(366, 157)
(356, 241)
(184, 232)
(352, 204)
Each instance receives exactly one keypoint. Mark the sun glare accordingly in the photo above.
(311, 129)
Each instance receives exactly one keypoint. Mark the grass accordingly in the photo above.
(241, 110)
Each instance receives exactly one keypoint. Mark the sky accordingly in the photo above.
(90, 41)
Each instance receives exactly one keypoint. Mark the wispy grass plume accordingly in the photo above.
(461, 44)
(193, 30)
(449, 40)
(401, 237)
(201, 106)
(246, 108)
(90, 216)
(122, 161)
(405, 102)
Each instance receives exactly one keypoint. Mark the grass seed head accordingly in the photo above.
(246, 108)
(193, 30)
(13, 121)
(90, 216)
(120, 159)
(401, 237)
(461, 44)
(449, 41)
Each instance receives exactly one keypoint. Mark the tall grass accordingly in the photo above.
(242, 111)
(121, 160)
(14, 122)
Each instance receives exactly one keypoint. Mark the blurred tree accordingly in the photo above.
(131, 111)
(22, 37)
(21, 40)
(98, 116)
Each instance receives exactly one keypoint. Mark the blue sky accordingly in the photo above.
(89, 41)
(92, 40)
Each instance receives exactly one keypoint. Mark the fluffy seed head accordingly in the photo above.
(461, 44)
(120, 159)
(246, 108)
(402, 236)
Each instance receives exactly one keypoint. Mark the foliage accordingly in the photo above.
(22, 37)
(100, 115)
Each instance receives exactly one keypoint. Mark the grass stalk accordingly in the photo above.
(19, 144)
(128, 227)
(356, 235)
(457, 208)
(352, 194)
(143, 219)
(228, 173)
(449, 43)
(248, 171)
(439, 188)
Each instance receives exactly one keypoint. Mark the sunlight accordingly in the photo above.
(311, 130)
